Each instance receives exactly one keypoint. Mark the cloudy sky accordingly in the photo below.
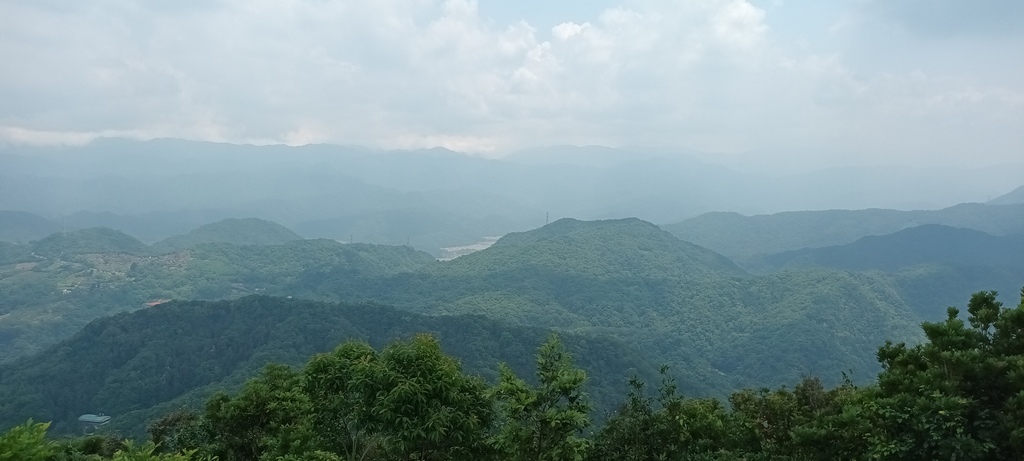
(839, 81)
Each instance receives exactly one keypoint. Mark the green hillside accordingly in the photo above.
(247, 231)
(955, 395)
(49, 298)
(930, 288)
(720, 328)
(740, 237)
(94, 240)
(612, 249)
(142, 365)
(12, 253)
(22, 227)
(931, 265)
(679, 303)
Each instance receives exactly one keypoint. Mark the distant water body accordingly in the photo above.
(450, 253)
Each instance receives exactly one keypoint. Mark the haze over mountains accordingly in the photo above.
(738, 236)
(433, 198)
(435, 230)
(1013, 197)
(274, 253)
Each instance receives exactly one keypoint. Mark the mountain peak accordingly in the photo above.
(90, 240)
(244, 231)
(1010, 198)
(627, 247)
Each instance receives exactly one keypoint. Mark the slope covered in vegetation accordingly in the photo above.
(136, 365)
(48, 298)
(957, 395)
(675, 301)
(678, 302)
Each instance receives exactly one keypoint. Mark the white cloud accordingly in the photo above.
(709, 74)
(739, 23)
(567, 30)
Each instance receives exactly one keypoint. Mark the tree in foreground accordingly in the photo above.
(960, 395)
(410, 401)
(543, 423)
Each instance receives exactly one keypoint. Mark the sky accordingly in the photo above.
(838, 82)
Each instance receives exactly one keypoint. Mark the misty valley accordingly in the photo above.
(178, 300)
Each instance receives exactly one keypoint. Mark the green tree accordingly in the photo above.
(668, 427)
(147, 452)
(543, 423)
(267, 418)
(342, 393)
(411, 400)
(957, 396)
(26, 442)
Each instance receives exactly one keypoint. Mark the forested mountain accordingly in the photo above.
(247, 231)
(927, 244)
(149, 227)
(1015, 196)
(625, 294)
(605, 249)
(676, 301)
(94, 240)
(22, 227)
(680, 303)
(142, 365)
(931, 265)
(740, 237)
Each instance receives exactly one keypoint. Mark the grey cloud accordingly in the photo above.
(394, 73)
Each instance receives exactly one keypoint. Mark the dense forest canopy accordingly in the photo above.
(138, 365)
(958, 395)
(624, 295)
(677, 302)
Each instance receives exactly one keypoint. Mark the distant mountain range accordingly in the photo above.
(927, 244)
(89, 241)
(1013, 197)
(22, 227)
(930, 265)
(740, 237)
(248, 231)
(433, 198)
(49, 239)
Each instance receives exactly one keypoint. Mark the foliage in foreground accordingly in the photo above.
(959, 395)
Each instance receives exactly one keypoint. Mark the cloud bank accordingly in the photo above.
(856, 82)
